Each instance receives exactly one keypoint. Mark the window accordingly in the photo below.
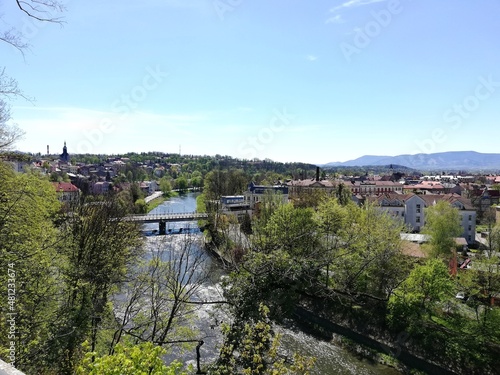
(470, 217)
(418, 219)
(470, 227)
(418, 208)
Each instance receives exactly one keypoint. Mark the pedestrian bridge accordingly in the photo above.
(163, 219)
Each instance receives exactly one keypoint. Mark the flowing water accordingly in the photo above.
(330, 358)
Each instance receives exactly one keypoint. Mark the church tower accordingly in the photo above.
(65, 156)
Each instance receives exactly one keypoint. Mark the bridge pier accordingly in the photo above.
(163, 227)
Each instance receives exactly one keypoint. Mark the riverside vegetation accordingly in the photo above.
(343, 262)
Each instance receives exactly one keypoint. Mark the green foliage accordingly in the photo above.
(331, 217)
(98, 247)
(343, 194)
(165, 186)
(181, 184)
(290, 229)
(419, 294)
(251, 348)
(364, 249)
(443, 225)
(28, 209)
(140, 206)
(224, 182)
(141, 359)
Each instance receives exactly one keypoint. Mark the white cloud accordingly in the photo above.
(312, 57)
(354, 3)
(99, 131)
(335, 19)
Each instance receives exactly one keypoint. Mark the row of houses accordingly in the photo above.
(408, 207)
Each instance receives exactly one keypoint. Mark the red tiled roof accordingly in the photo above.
(66, 187)
(312, 182)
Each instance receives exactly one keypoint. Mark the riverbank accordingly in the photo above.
(392, 354)
(155, 201)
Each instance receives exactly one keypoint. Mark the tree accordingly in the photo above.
(251, 347)
(144, 358)
(181, 184)
(28, 239)
(9, 133)
(416, 297)
(165, 186)
(100, 245)
(343, 194)
(443, 225)
(224, 182)
(291, 229)
(162, 295)
(365, 253)
(39, 10)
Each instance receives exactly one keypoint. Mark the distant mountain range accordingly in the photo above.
(449, 161)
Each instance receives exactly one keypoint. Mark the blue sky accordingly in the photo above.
(295, 80)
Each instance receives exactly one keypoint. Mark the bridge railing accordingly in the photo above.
(184, 215)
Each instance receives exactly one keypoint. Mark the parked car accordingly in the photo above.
(461, 296)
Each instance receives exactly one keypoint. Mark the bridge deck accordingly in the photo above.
(156, 218)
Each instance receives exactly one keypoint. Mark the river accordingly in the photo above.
(330, 358)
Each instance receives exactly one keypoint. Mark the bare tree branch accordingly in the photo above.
(40, 9)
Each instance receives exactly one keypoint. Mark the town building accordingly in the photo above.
(409, 208)
(66, 192)
(257, 193)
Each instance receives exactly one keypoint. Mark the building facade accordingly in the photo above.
(257, 193)
(410, 209)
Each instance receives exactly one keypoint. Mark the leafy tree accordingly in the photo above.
(224, 182)
(251, 347)
(181, 184)
(144, 358)
(130, 176)
(28, 238)
(291, 229)
(417, 296)
(443, 225)
(165, 186)
(99, 247)
(140, 206)
(365, 252)
(343, 194)
(309, 198)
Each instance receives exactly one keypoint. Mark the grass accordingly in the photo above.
(201, 207)
(156, 202)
